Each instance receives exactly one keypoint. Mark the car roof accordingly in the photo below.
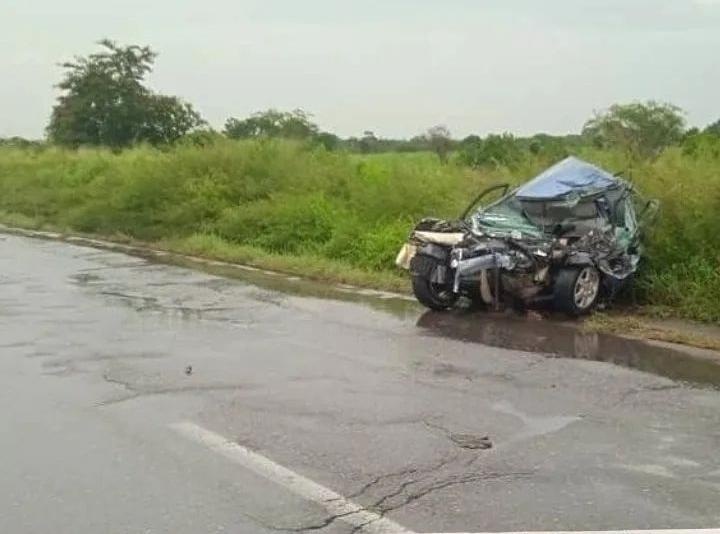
(571, 177)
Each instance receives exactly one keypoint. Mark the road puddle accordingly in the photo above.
(555, 339)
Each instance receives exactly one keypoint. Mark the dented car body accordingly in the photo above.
(570, 236)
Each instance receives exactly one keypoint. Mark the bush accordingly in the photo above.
(281, 223)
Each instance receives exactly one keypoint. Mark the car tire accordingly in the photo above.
(433, 296)
(577, 290)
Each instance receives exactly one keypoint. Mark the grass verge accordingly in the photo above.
(306, 265)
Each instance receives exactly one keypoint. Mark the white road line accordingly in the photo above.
(366, 521)
(648, 531)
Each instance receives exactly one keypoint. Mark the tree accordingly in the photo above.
(549, 147)
(494, 150)
(642, 129)
(201, 137)
(104, 102)
(713, 128)
(439, 140)
(295, 124)
(368, 142)
(471, 150)
(328, 140)
(20, 142)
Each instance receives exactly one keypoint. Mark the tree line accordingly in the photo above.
(104, 101)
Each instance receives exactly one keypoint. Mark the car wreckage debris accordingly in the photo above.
(570, 236)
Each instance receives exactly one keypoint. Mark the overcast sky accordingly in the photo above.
(391, 66)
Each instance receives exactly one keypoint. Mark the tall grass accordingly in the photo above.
(294, 201)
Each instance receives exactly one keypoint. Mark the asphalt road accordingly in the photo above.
(433, 422)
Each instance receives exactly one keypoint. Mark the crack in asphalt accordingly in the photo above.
(452, 480)
(381, 508)
(647, 389)
(421, 477)
(150, 303)
(16, 344)
(436, 426)
(377, 480)
(364, 489)
(331, 415)
(384, 504)
(319, 526)
(137, 392)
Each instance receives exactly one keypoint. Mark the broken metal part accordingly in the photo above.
(472, 266)
(572, 216)
(447, 239)
(406, 254)
(485, 292)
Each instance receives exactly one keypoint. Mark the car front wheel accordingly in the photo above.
(433, 296)
(577, 290)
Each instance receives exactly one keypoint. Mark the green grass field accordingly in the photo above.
(338, 216)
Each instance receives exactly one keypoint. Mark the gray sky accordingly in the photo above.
(391, 66)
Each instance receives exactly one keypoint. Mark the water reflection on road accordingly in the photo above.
(555, 339)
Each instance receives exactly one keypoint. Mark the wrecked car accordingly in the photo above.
(570, 236)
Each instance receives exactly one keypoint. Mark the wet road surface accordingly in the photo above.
(437, 422)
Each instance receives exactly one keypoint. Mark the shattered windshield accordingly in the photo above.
(537, 218)
(505, 217)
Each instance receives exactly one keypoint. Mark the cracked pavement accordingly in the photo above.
(438, 422)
